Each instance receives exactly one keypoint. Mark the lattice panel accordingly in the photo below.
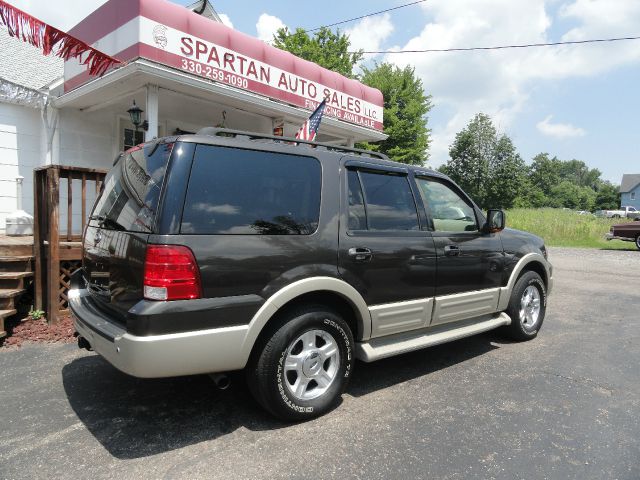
(67, 268)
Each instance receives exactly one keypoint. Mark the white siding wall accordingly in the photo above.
(84, 140)
(20, 153)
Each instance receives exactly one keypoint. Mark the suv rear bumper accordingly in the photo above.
(175, 354)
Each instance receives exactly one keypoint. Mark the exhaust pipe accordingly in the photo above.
(221, 380)
(83, 343)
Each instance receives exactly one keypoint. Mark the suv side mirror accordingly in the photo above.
(495, 221)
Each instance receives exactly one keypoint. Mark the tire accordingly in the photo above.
(294, 373)
(527, 307)
(638, 242)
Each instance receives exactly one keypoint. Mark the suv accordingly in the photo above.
(229, 250)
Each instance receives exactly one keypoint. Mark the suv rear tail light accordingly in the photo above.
(171, 273)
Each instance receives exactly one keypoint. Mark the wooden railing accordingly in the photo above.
(58, 254)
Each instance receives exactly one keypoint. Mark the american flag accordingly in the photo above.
(310, 127)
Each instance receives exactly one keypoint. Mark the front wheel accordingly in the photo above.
(638, 241)
(527, 307)
(301, 369)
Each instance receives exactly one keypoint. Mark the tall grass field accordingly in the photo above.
(565, 228)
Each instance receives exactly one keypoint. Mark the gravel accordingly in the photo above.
(565, 405)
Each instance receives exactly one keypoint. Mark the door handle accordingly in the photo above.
(452, 250)
(360, 254)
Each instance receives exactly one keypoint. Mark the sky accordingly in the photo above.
(577, 101)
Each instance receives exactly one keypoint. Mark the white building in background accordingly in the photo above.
(186, 70)
(25, 78)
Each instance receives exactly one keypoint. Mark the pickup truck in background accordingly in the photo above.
(627, 232)
(624, 212)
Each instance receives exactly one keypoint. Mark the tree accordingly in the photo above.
(405, 113)
(607, 196)
(544, 172)
(578, 173)
(469, 156)
(569, 195)
(531, 196)
(486, 165)
(328, 49)
(507, 173)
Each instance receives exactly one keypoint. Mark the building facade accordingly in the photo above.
(630, 190)
(184, 69)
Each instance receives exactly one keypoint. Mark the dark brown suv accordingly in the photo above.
(229, 250)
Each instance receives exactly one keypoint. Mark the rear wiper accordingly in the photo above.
(107, 222)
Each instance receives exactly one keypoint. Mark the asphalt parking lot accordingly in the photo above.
(566, 405)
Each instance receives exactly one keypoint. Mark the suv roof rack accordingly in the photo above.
(225, 132)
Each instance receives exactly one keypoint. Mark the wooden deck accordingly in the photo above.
(57, 250)
(23, 246)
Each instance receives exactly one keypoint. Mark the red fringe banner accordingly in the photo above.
(51, 40)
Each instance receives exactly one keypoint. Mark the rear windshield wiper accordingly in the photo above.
(106, 222)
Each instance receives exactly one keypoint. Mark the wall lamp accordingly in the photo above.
(135, 113)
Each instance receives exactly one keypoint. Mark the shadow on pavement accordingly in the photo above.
(370, 377)
(135, 418)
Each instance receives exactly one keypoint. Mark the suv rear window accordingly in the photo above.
(237, 191)
(129, 199)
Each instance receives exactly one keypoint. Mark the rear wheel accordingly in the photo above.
(303, 365)
(527, 307)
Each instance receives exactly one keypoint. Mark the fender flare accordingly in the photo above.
(295, 290)
(505, 292)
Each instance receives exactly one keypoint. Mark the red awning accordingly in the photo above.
(172, 35)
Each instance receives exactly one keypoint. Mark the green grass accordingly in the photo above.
(565, 228)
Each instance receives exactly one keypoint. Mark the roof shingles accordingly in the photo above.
(629, 182)
(25, 65)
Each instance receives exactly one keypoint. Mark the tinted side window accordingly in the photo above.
(357, 214)
(388, 202)
(236, 191)
(450, 212)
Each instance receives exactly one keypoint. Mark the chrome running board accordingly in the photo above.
(383, 347)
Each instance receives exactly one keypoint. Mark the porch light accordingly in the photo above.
(135, 112)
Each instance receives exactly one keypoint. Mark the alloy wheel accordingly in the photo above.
(530, 307)
(311, 364)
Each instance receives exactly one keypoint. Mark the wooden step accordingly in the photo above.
(8, 250)
(10, 292)
(17, 258)
(4, 314)
(16, 263)
(7, 313)
(8, 297)
(14, 280)
(15, 275)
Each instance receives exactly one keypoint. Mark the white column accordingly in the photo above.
(350, 142)
(50, 116)
(152, 112)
